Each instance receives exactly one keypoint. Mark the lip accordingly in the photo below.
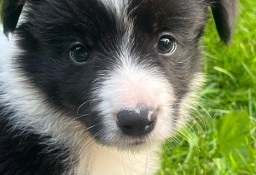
(133, 142)
(137, 143)
(126, 142)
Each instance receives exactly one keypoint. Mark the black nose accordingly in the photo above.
(137, 122)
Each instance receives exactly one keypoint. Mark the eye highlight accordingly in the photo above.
(166, 44)
(79, 54)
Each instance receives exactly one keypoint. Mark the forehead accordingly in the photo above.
(158, 10)
(117, 6)
(96, 18)
(158, 13)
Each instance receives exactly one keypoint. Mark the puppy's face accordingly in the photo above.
(123, 68)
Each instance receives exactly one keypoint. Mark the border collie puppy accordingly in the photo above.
(93, 87)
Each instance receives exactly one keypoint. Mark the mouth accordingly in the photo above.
(137, 142)
(129, 143)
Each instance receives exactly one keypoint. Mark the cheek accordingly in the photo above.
(72, 85)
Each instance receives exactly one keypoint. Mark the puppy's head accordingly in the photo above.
(123, 68)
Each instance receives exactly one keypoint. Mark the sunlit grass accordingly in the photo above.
(223, 141)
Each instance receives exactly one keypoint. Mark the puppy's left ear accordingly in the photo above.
(11, 10)
(224, 13)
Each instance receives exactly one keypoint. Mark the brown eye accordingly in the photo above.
(79, 54)
(166, 45)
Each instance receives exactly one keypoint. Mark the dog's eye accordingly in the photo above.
(166, 44)
(79, 54)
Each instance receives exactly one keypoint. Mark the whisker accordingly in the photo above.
(88, 101)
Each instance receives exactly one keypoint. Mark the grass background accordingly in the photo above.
(221, 140)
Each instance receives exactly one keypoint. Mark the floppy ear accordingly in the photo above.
(224, 13)
(11, 10)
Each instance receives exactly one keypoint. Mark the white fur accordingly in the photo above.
(104, 160)
(190, 101)
(117, 6)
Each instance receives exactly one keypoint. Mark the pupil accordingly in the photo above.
(80, 54)
(166, 43)
(79, 51)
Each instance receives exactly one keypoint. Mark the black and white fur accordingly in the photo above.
(59, 117)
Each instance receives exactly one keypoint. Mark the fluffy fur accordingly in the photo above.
(59, 117)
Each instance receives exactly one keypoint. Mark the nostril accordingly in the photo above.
(136, 122)
(127, 127)
(151, 123)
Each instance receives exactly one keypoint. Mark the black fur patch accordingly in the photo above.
(25, 153)
(10, 14)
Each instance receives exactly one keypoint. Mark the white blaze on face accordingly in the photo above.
(130, 83)
(116, 6)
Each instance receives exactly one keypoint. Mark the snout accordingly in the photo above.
(138, 121)
(135, 105)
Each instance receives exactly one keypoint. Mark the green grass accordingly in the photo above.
(221, 140)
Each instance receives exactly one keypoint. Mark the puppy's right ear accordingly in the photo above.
(11, 10)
